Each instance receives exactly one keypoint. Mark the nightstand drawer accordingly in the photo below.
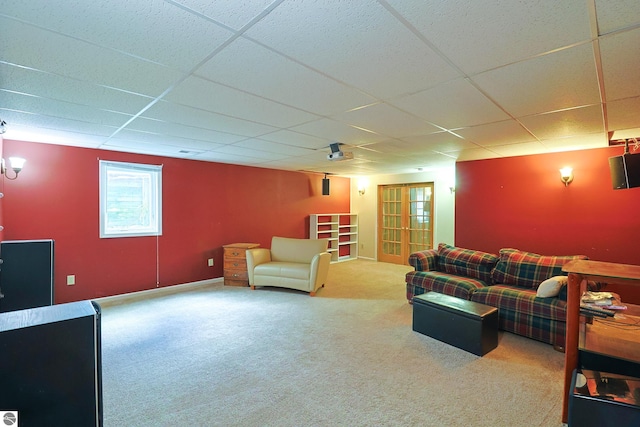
(236, 275)
(235, 253)
(235, 264)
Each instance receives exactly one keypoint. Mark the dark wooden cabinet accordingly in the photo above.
(26, 274)
(51, 365)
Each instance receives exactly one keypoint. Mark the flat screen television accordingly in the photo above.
(625, 171)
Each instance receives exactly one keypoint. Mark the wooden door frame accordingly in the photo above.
(402, 258)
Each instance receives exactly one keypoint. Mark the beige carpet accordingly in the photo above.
(223, 356)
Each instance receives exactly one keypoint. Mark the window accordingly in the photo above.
(130, 199)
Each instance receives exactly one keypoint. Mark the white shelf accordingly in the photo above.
(341, 230)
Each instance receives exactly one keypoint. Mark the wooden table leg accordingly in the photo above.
(571, 343)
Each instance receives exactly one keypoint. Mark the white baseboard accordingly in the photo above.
(156, 292)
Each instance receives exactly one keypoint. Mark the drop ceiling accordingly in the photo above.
(403, 84)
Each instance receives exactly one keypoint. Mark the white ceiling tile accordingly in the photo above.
(170, 130)
(43, 122)
(231, 13)
(481, 35)
(32, 133)
(139, 146)
(332, 130)
(373, 155)
(155, 30)
(621, 64)
(315, 161)
(209, 96)
(498, 133)
(273, 147)
(359, 43)
(520, 149)
(46, 85)
(250, 152)
(442, 142)
(255, 69)
(581, 142)
(617, 14)
(79, 60)
(386, 120)
(296, 139)
(625, 134)
(551, 82)
(451, 105)
(393, 147)
(188, 116)
(217, 156)
(624, 114)
(49, 107)
(565, 123)
(169, 142)
(476, 154)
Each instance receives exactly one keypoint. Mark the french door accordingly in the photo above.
(405, 220)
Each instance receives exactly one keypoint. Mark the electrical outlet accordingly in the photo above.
(210, 262)
(71, 280)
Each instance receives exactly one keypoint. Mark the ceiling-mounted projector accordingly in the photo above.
(340, 156)
(336, 154)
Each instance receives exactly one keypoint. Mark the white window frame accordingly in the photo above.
(151, 199)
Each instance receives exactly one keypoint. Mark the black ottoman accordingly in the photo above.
(468, 325)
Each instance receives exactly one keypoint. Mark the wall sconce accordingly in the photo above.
(566, 175)
(16, 163)
(362, 186)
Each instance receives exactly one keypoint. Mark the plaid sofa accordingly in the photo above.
(507, 281)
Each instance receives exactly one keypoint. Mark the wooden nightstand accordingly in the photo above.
(235, 263)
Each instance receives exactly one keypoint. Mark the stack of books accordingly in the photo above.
(601, 304)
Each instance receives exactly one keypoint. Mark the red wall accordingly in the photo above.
(520, 202)
(205, 205)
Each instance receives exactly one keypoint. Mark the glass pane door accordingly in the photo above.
(405, 221)
(390, 230)
(420, 236)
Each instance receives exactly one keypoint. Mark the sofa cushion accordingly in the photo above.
(444, 283)
(522, 301)
(526, 269)
(466, 262)
(287, 249)
(291, 270)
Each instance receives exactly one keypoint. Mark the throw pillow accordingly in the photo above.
(551, 287)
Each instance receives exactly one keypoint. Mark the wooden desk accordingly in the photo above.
(580, 271)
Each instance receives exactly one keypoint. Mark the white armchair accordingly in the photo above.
(301, 264)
